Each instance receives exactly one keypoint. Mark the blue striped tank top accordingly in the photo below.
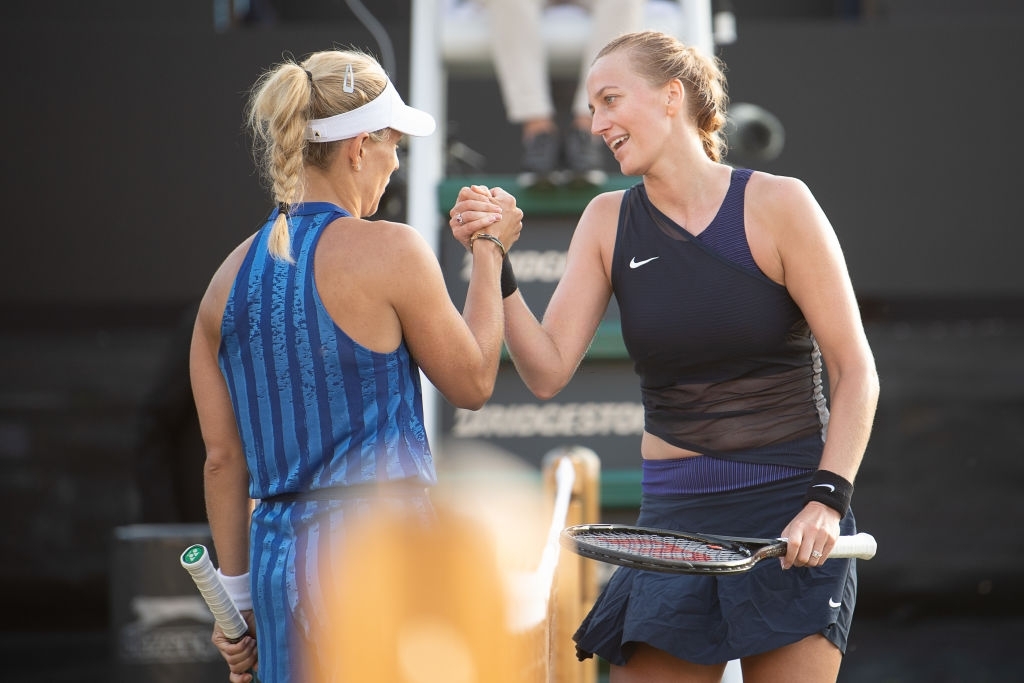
(316, 411)
(314, 408)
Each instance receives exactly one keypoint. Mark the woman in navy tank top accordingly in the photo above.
(733, 294)
(308, 347)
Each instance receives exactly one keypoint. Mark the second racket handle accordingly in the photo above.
(861, 546)
(196, 560)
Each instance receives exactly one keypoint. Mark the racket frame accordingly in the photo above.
(751, 550)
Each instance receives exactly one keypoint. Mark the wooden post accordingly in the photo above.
(575, 587)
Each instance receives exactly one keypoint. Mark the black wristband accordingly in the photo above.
(828, 488)
(508, 279)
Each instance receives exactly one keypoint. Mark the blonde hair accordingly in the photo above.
(283, 101)
(658, 58)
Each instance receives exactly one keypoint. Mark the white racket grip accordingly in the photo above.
(861, 546)
(196, 560)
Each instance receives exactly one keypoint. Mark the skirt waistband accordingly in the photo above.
(401, 488)
(700, 474)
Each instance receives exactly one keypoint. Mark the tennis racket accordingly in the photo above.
(196, 560)
(676, 552)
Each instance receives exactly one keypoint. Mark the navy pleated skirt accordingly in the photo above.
(715, 619)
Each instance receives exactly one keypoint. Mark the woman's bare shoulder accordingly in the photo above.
(772, 192)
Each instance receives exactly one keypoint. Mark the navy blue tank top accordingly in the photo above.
(727, 362)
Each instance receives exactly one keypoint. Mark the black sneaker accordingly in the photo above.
(540, 161)
(584, 155)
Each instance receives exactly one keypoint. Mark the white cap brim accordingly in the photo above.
(410, 120)
(387, 110)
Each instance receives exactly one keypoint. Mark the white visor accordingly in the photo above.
(387, 110)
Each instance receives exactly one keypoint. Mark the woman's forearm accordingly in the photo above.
(854, 398)
(228, 509)
(540, 362)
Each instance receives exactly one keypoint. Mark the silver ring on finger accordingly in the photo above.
(815, 554)
(458, 218)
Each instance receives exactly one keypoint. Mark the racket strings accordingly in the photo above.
(668, 548)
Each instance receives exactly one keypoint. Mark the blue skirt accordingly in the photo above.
(715, 619)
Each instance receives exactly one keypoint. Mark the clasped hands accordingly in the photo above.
(482, 209)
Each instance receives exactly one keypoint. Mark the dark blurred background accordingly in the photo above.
(128, 177)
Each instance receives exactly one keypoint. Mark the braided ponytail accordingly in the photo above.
(278, 116)
(283, 102)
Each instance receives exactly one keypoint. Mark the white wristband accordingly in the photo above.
(238, 589)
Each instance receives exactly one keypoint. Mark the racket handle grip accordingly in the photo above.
(862, 546)
(196, 560)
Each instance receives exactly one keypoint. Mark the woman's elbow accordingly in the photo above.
(545, 386)
(865, 376)
(220, 461)
(472, 402)
(874, 384)
(478, 399)
(545, 392)
(473, 397)
(869, 372)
